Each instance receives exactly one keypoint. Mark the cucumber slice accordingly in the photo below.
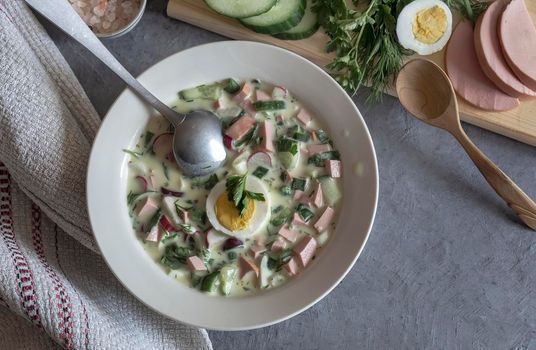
(283, 16)
(211, 282)
(307, 26)
(240, 8)
(289, 160)
(227, 276)
(207, 92)
(331, 191)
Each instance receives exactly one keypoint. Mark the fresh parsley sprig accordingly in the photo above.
(237, 193)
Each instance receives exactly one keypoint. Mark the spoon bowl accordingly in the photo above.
(198, 142)
(426, 92)
(199, 130)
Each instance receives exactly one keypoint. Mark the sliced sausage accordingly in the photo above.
(240, 128)
(195, 264)
(316, 149)
(305, 250)
(304, 116)
(257, 250)
(490, 55)
(518, 40)
(466, 75)
(246, 265)
(243, 94)
(291, 267)
(288, 234)
(325, 219)
(147, 208)
(318, 196)
(267, 133)
(278, 245)
(333, 167)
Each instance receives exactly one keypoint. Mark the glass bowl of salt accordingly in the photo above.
(110, 18)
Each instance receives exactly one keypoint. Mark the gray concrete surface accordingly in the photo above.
(447, 265)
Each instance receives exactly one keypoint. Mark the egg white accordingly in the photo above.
(404, 27)
(260, 217)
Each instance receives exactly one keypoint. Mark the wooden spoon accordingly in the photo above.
(426, 92)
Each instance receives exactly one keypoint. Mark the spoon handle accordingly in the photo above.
(62, 14)
(514, 196)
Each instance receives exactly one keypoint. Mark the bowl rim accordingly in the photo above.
(369, 225)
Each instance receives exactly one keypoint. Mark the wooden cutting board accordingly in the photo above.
(519, 123)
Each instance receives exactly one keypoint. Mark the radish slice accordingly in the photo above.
(166, 224)
(231, 243)
(171, 192)
(171, 157)
(279, 92)
(163, 144)
(228, 142)
(260, 158)
(143, 182)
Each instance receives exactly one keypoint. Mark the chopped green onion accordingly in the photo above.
(148, 137)
(286, 190)
(298, 184)
(318, 159)
(135, 154)
(187, 228)
(277, 209)
(322, 136)
(260, 172)
(166, 170)
(301, 136)
(211, 182)
(231, 86)
(154, 220)
(305, 213)
(269, 105)
(282, 217)
(287, 145)
(175, 257)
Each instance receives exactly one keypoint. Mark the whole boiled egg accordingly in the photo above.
(424, 26)
(224, 216)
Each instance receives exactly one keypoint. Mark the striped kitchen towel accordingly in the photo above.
(55, 289)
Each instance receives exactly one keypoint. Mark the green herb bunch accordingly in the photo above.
(363, 36)
(367, 50)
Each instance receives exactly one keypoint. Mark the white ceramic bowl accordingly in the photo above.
(106, 185)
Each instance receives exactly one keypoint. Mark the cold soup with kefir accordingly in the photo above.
(262, 217)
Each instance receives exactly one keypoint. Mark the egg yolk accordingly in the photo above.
(430, 25)
(229, 217)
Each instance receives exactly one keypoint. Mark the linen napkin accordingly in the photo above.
(55, 290)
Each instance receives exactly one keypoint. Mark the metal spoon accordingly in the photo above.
(198, 141)
(426, 92)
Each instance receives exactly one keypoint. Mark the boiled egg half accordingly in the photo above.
(224, 216)
(424, 26)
